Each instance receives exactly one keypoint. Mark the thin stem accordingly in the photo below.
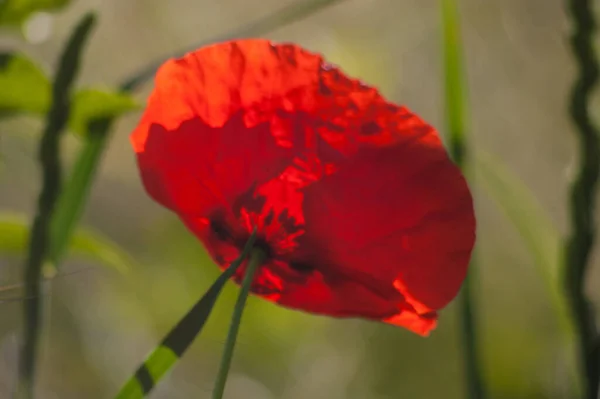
(583, 192)
(287, 15)
(475, 387)
(455, 106)
(179, 339)
(49, 157)
(257, 256)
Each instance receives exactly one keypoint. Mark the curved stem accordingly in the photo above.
(257, 256)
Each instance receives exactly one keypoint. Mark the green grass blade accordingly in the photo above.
(542, 239)
(535, 227)
(455, 104)
(14, 235)
(174, 345)
(49, 158)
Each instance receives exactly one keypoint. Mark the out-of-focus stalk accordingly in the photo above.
(456, 128)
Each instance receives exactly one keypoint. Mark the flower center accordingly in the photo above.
(225, 233)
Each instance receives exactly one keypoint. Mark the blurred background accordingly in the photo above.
(101, 323)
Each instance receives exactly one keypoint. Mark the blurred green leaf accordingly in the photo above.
(14, 237)
(25, 87)
(91, 105)
(15, 12)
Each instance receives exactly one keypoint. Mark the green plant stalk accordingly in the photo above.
(78, 186)
(579, 244)
(469, 337)
(176, 343)
(49, 156)
(456, 127)
(257, 256)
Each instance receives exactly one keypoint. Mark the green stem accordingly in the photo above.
(455, 105)
(583, 192)
(469, 337)
(257, 256)
(287, 15)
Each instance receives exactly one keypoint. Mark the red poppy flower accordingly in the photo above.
(357, 205)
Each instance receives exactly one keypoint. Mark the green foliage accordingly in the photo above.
(15, 12)
(90, 105)
(14, 236)
(25, 87)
